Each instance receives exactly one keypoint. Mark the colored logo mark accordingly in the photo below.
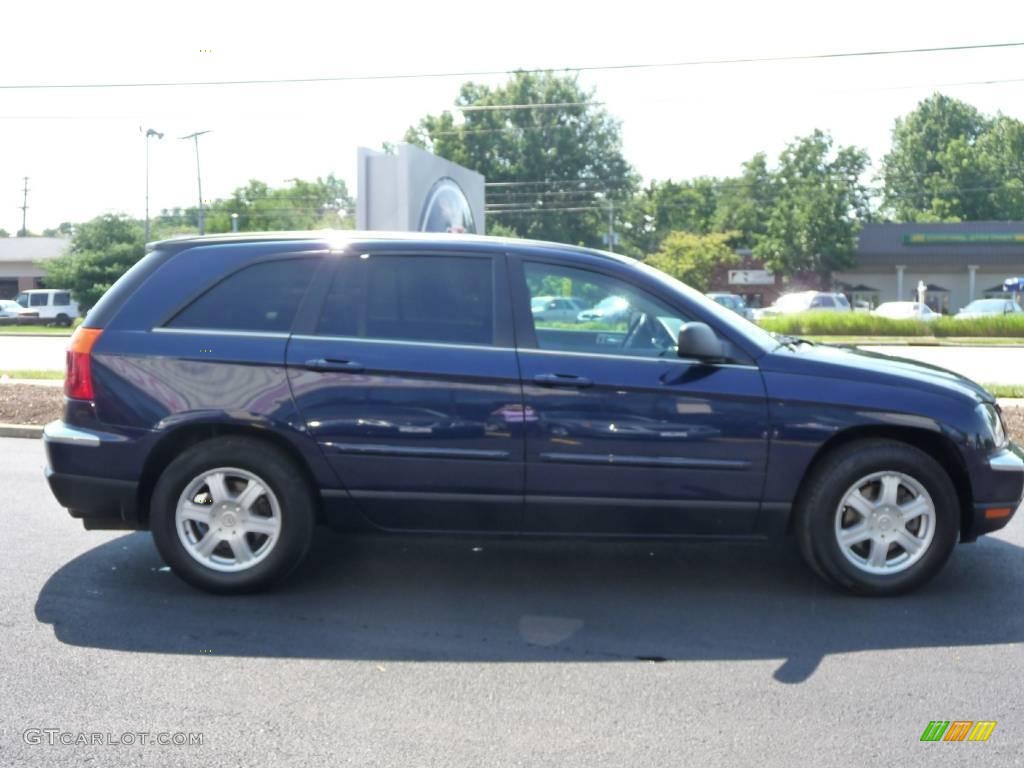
(958, 730)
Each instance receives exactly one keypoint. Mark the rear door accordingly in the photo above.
(623, 436)
(409, 382)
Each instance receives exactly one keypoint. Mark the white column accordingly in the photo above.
(899, 281)
(972, 270)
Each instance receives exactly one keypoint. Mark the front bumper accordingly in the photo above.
(1007, 468)
(99, 502)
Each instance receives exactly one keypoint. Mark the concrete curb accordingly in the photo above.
(33, 431)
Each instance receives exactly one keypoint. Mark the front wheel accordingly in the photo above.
(232, 514)
(878, 517)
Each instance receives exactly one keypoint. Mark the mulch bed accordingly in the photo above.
(33, 404)
(30, 403)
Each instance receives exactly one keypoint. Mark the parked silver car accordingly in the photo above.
(989, 308)
(560, 309)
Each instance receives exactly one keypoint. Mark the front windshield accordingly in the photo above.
(22, 299)
(985, 305)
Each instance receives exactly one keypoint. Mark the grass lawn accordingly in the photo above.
(21, 330)
(33, 374)
(928, 341)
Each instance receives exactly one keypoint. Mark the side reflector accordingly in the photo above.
(997, 512)
(78, 376)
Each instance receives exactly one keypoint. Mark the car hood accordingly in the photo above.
(833, 361)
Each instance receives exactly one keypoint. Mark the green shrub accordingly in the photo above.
(863, 324)
(76, 322)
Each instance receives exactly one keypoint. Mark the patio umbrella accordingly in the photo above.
(1014, 285)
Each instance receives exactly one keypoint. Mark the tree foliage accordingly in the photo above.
(101, 251)
(321, 204)
(694, 258)
(818, 203)
(557, 157)
(949, 162)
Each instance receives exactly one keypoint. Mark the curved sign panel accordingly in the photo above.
(447, 209)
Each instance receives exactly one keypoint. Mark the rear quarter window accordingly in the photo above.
(262, 297)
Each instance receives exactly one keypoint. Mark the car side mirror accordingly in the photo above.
(698, 342)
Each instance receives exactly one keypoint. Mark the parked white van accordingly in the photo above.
(49, 304)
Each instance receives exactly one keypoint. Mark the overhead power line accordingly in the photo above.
(537, 70)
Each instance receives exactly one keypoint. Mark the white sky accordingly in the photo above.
(84, 155)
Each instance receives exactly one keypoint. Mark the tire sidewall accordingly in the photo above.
(273, 468)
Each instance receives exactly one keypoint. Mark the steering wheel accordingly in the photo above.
(636, 323)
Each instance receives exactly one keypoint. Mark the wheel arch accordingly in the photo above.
(936, 444)
(182, 438)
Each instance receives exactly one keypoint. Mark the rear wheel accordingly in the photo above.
(232, 514)
(878, 517)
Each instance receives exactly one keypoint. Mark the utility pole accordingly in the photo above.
(24, 207)
(199, 179)
(149, 132)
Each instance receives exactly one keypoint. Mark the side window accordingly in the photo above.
(440, 299)
(38, 299)
(260, 298)
(615, 317)
(61, 299)
(822, 301)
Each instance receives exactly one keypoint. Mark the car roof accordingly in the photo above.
(339, 238)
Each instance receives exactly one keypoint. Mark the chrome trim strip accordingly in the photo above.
(680, 504)
(1006, 460)
(59, 432)
(676, 462)
(216, 332)
(431, 344)
(638, 358)
(376, 449)
(487, 498)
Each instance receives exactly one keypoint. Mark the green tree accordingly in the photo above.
(63, 230)
(553, 157)
(101, 251)
(817, 207)
(668, 206)
(4, 233)
(694, 258)
(930, 173)
(745, 202)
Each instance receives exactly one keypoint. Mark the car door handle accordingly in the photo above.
(561, 380)
(329, 364)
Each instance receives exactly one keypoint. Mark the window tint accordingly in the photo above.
(38, 299)
(822, 301)
(263, 297)
(61, 299)
(443, 299)
(615, 317)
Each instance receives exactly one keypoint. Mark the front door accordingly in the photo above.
(623, 437)
(409, 382)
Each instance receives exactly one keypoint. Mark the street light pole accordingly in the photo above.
(199, 179)
(149, 132)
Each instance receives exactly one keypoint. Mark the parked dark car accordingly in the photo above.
(230, 393)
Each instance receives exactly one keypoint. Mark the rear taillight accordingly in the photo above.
(78, 379)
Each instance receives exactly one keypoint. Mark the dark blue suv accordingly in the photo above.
(230, 393)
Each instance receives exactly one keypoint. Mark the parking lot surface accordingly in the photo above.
(467, 652)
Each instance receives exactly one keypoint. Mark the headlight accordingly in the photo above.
(994, 422)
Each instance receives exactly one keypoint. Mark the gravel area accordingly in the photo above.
(34, 404)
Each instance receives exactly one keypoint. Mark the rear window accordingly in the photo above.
(261, 298)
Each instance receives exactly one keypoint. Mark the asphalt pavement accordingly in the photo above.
(459, 652)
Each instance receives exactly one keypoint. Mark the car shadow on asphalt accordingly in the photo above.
(433, 599)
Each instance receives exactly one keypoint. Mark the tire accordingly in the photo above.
(63, 320)
(878, 495)
(258, 533)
